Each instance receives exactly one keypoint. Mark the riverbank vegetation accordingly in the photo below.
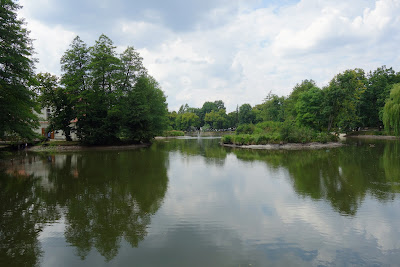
(350, 102)
(173, 133)
(276, 132)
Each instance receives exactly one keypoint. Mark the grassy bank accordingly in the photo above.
(173, 133)
(275, 133)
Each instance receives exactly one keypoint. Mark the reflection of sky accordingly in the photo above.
(246, 213)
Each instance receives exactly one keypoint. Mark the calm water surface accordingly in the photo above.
(190, 202)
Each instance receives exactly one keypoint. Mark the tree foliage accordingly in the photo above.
(17, 99)
(111, 97)
(217, 119)
(341, 105)
(391, 111)
(290, 103)
(58, 100)
(187, 121)
(144, 110)
(377, 91)
(350, 100)
(273, 108)
(246, 114)
(308, 108)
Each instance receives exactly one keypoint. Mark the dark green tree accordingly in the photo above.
(246, 114)
(183, 109)
(217, 119)
(187, 121)
(391, 111)
(74, 64)
(112, 96)
(220, 104)
(75, 80)
(59, 101)
(290, 102)
(17, 99)
(207, 108)
(308, 108)
(341, 104)
(172, 120)
(144, 110)
(377, 91)
(132, 64)
(99, 122)
(273, 108)
(233, 118)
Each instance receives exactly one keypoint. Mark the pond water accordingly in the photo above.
(191, 202)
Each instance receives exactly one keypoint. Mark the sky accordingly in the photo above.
(231, 50)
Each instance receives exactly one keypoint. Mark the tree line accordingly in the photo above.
(211, 116)
(351, 100)
(111, 97)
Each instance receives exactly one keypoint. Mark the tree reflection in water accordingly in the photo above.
(110, 196)
(342, 176)
(104, 197)
(23, 215)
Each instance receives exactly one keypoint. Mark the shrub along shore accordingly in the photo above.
(278, 134)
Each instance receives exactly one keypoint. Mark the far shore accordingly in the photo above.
(382, 137)
(289, 146)
(59, 148)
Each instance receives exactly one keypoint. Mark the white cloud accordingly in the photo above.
(50, 44)
(239, 56)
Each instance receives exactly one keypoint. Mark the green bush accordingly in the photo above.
(239, 140)
(173, 133)
(261, 139)
(245, 129)
(227, 139)
(276, 132)
(285, 132)
(269, 126)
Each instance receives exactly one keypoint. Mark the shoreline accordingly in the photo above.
(289, 146)
(62, 148)
(381, 137)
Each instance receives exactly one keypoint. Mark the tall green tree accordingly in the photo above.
(74, 64)
(183, 109)
(273, 108)
(172, 120)
(308, 108)
(246, 114)
(290, 102)
(391, 111)
(58, 100)
(377, 91)
(132, 66)
(208, 107)
(17, 98)
(99, 124)
(233, 118)
(187, 121)
(144, 110)
(341, 103)
(217, 119)
(75, 81)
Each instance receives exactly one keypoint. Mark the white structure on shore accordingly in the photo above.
(44, 116)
